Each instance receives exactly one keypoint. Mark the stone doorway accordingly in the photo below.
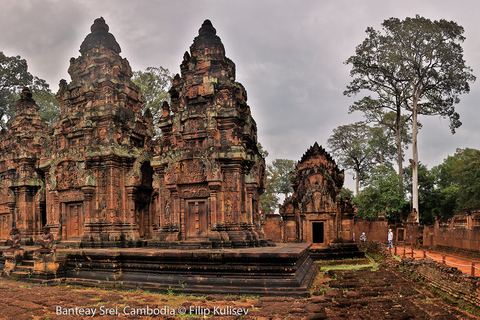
(75, 220)
(196, 219)
(142, 219)
(318, 232)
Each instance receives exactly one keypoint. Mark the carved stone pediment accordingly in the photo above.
(190, 171)
(67, 174)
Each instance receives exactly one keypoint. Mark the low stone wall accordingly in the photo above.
(273, 227)
(461, 238)
(445, 278)
(375, 229)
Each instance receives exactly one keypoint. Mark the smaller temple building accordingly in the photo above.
(316, 212)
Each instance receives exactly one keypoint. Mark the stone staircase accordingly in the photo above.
(24, 269)
(336, 251)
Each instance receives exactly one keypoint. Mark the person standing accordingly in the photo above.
(390, 239)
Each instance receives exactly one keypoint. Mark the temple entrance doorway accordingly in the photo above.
(75, 219)
(196, 219)
(318, 232)
(142, 218)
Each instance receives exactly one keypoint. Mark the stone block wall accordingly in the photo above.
(445, 278)
(375, 229)
(273, 227)
(459, 238)
(461, 233)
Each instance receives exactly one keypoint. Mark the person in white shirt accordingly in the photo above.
(390, 239)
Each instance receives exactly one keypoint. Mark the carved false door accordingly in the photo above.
(142, 219)
(75, 219)
(196, 219)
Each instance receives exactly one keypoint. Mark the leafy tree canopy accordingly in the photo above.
(381, 195)
(14, 76)
(415, 64)
(466, 173)
(281, 169)
(269, 200)
(154, 83)
(350, 145)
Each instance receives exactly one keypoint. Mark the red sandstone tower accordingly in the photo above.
(98, 177)
(210, 173)
(22, 190)
(93, 177)
(316, 212)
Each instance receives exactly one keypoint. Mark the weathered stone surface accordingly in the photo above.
(96, 178)
(210, 171)
(22, 189)
(316, 212)
(101, 142)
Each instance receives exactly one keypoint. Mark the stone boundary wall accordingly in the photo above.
(445, 278)
(454, 237)
(375, 229)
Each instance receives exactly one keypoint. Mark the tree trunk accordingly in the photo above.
(398, 143)
(415, 162)
(357, 183)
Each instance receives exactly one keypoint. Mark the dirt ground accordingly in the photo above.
(379, 292)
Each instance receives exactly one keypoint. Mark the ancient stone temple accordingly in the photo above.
(210, 174)
(93, 177)
(96, 182)
(22, 186)
(98, 179)
(316, 212)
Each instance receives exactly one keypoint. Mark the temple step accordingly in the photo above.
(336, 252)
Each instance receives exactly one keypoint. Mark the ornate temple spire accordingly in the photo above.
(207, 45)
(100, 39)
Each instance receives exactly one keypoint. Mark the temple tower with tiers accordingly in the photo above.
(98, 175)
(316, 212)
(22, 190)
(209, 174)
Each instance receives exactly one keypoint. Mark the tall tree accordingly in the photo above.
(437, 191)
(382, 194)
(14, 76)
(386, 110)
(350, 145)
(466, 173)
(154, 83)
(383, 150)
(269, 199)
(281, 169)
(422, 62)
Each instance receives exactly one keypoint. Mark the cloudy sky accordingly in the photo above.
(289, 55)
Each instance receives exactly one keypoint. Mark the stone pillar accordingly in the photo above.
(63, 220)
(88, 232)
(11, 209)
(183, 235)
(132, 233)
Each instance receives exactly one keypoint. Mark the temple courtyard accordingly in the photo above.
(375, 288)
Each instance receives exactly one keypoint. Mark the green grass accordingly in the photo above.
(349, 264)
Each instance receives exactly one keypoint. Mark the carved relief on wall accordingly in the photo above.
(70, 196)
(194, 125)
(168, 210)
(194, 191)
(102, 194)
(67, 176)
(214, 173)
(230, 181)
(190, 171)
(3, 193)
(231, 207)
(25, 172)
(318, 200)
